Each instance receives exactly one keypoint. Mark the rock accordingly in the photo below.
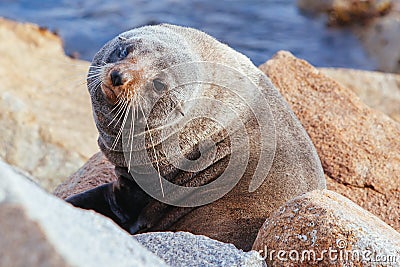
(378, 90)
(358, 146)
(96, 171)
(381, 40)
(347, 12)
(323, 220)
(45, 110)
(315, 6)
(38, 229)
(186, 250)
(376, 23)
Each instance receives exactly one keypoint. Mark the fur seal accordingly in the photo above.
(139, 82)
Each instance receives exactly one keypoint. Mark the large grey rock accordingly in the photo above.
(38, 229)
(186, 250)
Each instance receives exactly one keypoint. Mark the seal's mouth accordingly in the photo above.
(109, 93)
(121, 81)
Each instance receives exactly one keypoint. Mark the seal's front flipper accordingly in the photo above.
(97, 199)
(122, 201)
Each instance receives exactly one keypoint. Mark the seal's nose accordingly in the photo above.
(116, 78)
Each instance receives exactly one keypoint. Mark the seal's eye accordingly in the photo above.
(158, 85)
(123, 51)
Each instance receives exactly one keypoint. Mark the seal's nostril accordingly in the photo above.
(116, 78)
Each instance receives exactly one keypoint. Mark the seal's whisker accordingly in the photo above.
(99, 67)
(131, 132)
(93, 82)
(119, 113)
(93, 75)
(116, 106)
(152, 145)
(122, 127)
(121, 108)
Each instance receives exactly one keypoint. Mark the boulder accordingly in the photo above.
(45, 110)
(378, 90)
(96, 171)
(38, 229)
(376, 23)
(323, 228)
(358, 146)
(347, 12)
(381, 40)
(186, 250)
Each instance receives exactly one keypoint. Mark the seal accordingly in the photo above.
(145, 86)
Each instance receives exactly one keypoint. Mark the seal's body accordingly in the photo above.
(131, 77)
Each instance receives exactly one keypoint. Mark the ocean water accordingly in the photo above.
(257, 28)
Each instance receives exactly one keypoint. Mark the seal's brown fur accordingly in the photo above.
(237, 216)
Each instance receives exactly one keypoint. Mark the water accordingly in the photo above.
(257, 28)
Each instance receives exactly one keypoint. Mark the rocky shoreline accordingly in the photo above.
(48, 133)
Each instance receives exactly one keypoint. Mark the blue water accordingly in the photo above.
(257, 28)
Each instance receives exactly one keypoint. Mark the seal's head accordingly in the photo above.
(129, 77)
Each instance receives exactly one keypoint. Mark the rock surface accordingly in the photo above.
(96, 171)
(45, 111)
(346, 12)
(376, 23)
(378, 90)
(324, 220)
(38, 229)
(358, 146)
(185, 249)
(381, 40)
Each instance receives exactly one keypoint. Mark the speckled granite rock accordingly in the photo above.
(378, 90)
(323, 220)
(96, 171)
(187, 250)
(45, 113)
(359, 147)
(38, 229)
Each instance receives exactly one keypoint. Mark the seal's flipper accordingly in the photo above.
(122, 201)
(93, 199)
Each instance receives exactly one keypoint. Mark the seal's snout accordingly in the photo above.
(116, 78)
(121, 81)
